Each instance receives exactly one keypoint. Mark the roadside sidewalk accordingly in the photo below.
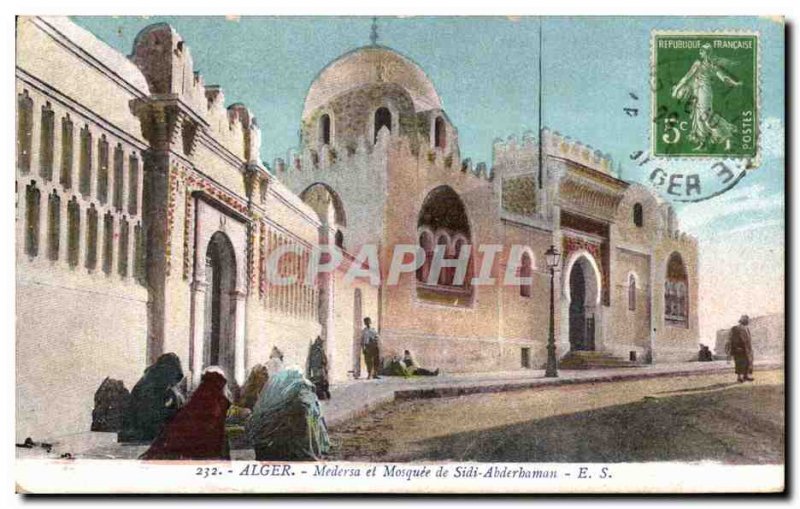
(355, 398)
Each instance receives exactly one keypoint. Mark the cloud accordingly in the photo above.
(741, 271)
(739, 201)
(756, 227)
(772, 137)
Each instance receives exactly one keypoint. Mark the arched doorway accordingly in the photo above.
(578, 339)
(220, 308)
(320, 196)
(583, 295)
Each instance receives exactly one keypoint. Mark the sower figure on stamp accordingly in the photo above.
(740, 346)
(371, 349)
(695, 88)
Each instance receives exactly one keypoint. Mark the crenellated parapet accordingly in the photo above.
(513, 155)
(671, 226)
(521, 155)
(564, 147)
(192, 111)
(360, 154)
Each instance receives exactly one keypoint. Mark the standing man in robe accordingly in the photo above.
(371, 349)
(740, 346)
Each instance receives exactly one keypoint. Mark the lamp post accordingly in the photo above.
(553, 258)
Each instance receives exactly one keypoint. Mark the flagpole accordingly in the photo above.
(540, 103)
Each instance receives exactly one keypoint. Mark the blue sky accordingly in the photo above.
(486, 72)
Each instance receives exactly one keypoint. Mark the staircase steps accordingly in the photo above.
(589, 359)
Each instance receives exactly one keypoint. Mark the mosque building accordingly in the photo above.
(145, 219)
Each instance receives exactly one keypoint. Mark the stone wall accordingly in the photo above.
(79, 181)
(768, 333)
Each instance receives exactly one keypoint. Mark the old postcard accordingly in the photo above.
(400, 254)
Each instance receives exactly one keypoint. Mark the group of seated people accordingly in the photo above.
(278, 407)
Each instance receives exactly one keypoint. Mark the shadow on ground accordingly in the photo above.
(737, 425)
(705, 388)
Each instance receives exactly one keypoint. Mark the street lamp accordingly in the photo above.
(553, 258)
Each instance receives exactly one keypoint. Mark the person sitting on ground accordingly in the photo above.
(154, 400)
(110, 402)
(287, 421)
(245, 400)
(198, 429)
(253, 386)
(412, 366)
(275, 362)
(394, 366)
(318, 368)
(705, 354)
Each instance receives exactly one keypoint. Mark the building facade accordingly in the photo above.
(144, 219)
(376, 139)
(145, 223)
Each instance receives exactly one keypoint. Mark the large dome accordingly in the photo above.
(371, 65)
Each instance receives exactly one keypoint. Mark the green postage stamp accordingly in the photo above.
(705, 94)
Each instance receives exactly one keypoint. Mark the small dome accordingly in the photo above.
(371, 65)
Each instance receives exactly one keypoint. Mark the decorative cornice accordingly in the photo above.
(87, 57)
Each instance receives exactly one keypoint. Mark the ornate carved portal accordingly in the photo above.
(582, 233)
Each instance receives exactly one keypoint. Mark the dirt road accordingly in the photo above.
(663, 419)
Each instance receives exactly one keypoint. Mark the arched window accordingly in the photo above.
(439, 133)
(631, 293)
(85, 171)
(102, 170)
(46, 145)
(339, 239)
(66, 153)
(24, 131)
(383, 118)
(133, 185)
(638, 215)
(138, 255)
(119, 177)
(91, 238)
(676, 298)
(32, 201)
(443, 212)
(73, 232)
(53, 225)
(325, 129)
(108, 242)
(525, 271)
(122, 256)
